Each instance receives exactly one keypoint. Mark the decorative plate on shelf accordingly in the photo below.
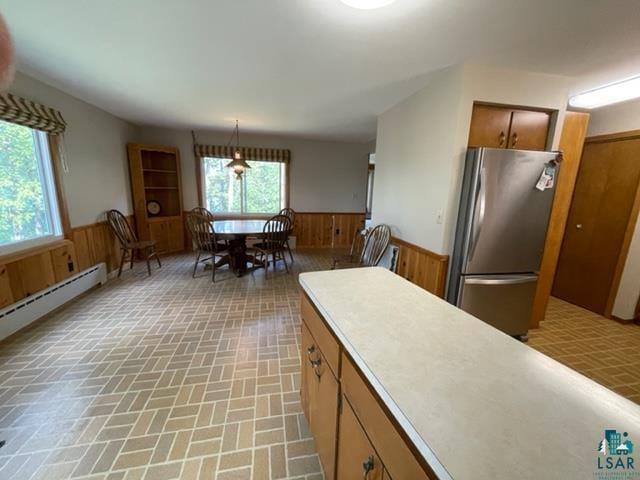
(154, 207)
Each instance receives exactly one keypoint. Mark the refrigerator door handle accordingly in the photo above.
(501, 281)
(480, 208)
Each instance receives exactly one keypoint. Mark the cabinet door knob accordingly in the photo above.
(503, 137)
(367, 466)
(579, 226)
(515, 139)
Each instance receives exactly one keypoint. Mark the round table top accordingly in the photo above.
(238, 227)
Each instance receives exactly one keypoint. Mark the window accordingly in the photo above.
(29, 212)
(262, 189)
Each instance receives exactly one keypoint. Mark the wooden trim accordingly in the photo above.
(434, 255)
(622, 320)
(624, 250)
(56, 164)
(571, 143)
(611, 137)
(514, 107)
(199, 181)
(422, 267)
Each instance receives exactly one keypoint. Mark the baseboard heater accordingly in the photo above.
(20, 314)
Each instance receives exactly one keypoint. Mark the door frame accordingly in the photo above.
(572, 139)
(631, 223)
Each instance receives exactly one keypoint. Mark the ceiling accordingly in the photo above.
(310, 68)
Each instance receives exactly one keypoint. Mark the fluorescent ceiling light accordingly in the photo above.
(367, 4)
(607, 95)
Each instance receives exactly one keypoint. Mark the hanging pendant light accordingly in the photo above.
(238, 163)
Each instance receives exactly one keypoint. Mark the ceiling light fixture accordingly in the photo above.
(607, 95)
(238, 163)
(367, 4)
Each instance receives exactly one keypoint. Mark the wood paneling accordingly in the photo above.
(6, 295)
(601, 221)
(422, 267)
(29, 271)
(572, 138)
(326, 229)
(64, 262)
(94, 244)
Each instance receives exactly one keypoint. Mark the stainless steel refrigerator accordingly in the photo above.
(502, 224)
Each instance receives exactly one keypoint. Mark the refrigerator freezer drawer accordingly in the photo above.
(503, 301)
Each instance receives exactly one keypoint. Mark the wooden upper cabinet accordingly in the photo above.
(356, 456)
(489, 126)
(505, 127)
(529, 130)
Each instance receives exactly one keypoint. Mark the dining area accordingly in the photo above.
(243, 245)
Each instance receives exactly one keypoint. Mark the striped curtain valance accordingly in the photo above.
(248, 153)
(30, 114)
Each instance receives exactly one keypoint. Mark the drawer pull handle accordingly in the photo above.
(368, 466)
(314, 363)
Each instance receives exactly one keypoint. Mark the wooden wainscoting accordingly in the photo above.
(423, 267)
(326, 229)
(29, 271)
(96, 243)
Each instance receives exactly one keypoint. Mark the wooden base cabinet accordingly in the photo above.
(356, 456)
(354, 436)
(320, 401)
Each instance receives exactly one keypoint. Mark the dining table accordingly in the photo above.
(235, 232)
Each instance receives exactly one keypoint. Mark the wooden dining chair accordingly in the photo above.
(354, 255)
(291, 214)
(273, 242)
(204, 212)
(129, 243)
(204, 242)
(376, 243)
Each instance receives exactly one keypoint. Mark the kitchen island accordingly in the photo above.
(398, 384)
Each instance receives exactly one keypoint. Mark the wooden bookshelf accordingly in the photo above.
(155, 176)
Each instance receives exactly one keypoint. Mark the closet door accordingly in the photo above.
(489, 126)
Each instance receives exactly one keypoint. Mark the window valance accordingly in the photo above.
(30, 114)
(248, 153)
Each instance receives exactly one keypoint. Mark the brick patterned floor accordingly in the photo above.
(161, 377)
(602, 349)
(170, 377)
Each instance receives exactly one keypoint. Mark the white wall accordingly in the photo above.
(622, 118)
(95, 149)
(324, 176)
(421, 144)
(415, 150)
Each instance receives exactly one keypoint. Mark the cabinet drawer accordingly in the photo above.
(390, 445)
(321, 334)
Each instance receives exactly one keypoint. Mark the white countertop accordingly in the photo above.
(476, 402)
